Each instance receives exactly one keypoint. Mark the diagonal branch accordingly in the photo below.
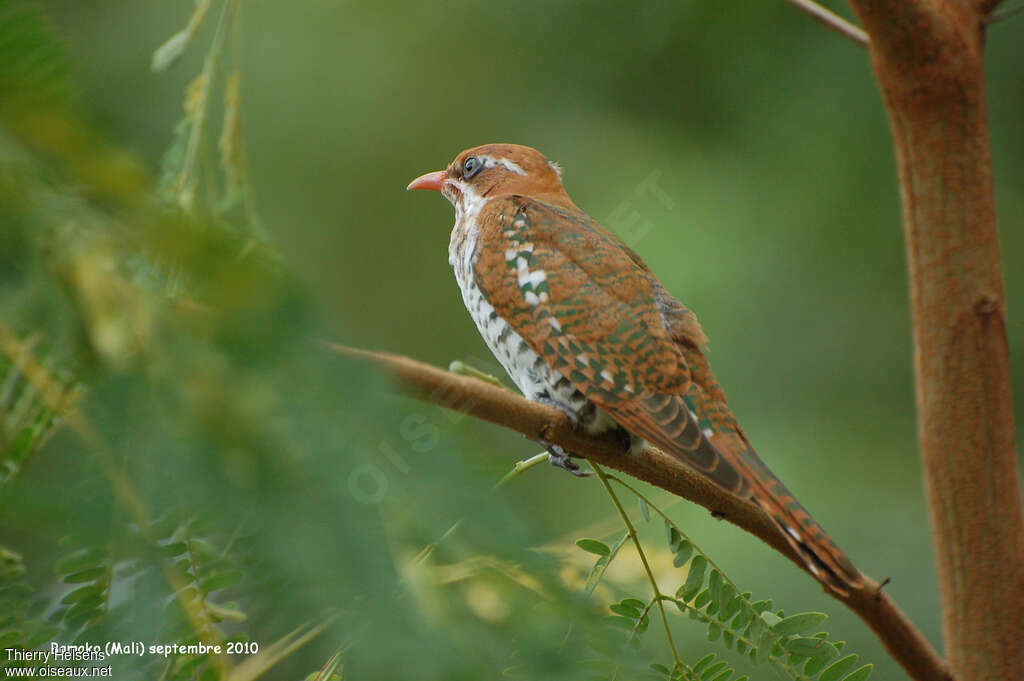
(832, 20)
(497, 405)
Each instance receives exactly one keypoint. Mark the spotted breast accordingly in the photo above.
(532, 375)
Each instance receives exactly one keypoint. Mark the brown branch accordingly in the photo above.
(497, 405)
(832, 20)
(927, 57)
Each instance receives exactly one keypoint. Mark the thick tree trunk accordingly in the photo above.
(927, 56)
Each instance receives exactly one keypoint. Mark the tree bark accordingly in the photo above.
(927, 57)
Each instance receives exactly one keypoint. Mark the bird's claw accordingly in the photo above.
(558, 457)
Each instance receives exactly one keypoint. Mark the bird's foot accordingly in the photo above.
(559, 457)
(545, 399)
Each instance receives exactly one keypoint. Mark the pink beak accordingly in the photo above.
(433, 181)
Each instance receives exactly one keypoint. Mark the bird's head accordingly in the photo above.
(494, 170)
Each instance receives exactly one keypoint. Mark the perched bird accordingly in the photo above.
(581, 324)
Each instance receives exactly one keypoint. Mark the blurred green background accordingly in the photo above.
(779, 227)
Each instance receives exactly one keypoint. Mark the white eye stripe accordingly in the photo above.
(511, 166)
(514, 167)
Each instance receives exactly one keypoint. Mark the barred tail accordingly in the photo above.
(728, 460)
(810, 541)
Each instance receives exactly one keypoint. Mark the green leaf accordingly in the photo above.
(222, 580)
(731, 608)
(727, 638)
(208, 569)
(644, 510)
(82, 593)
(724, 676)
(625, 610)
(754, 629)
(76, 616)
(800, 623)
(90, 575)
(835, 671)
(683, 553)
(770, 618)
(712, 670)
(625, 623)
(703, 662)
(814, 665)
(173, 550)
(80, 560)
(742, 617)
(861, 674)
(594, 546)
(764, 648)
(714, 584)
(201, 547)
(811, 647)
(726, 594)
(714, 631)
(184, 567)
(703, 598)
(92, 601)
(694, 578)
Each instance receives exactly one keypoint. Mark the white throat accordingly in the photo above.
(462, 247)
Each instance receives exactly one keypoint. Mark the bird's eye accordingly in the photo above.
(471, 166)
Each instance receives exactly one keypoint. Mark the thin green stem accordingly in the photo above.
(520, 468)
(643, 559)
(640, 619)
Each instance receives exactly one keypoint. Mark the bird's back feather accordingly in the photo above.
(590, 307)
